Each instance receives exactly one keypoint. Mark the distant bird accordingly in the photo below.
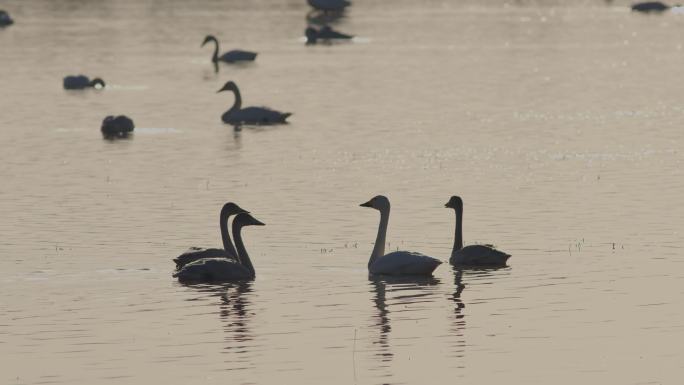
(233, 56)
(329, 5)
(250, 115)
(80, 82)
(326, 34)
(223, 269)
(397, 262)
(5, 19)
(473, 255)
(116, 127)
(650, 7)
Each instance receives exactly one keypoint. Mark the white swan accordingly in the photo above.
(228, 251)
(223, 269)
(397, 262)
(249, 115)
(473, 255)
(233, 56)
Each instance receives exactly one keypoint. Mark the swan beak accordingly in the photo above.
(259, 223)
(447, 205)
(367, 204)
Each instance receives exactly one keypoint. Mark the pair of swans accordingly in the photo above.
(411, 263)
(220, 265)
(250, 115)
(116, 126)
(80, 82)
(232, 56)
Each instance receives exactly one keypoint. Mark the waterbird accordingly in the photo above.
(79, 82)
(232, 56)
(397, 262)
(223, 269)
(329, 5)
(326, 33)
(249, 115)
(5, 19)
(228, 251)
(472, 255)
(650, 7)
(117, 126)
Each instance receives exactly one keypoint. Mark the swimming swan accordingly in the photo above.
(473, 255)
(397, 262)
(228, 251)
(650, 7)
(233, 56)
(80, 82)
(249, 115)
(329, 5)
(119, 126)
(223, 269)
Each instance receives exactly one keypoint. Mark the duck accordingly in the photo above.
(472, 255)
(397, 262)
(233, 56)
(79, 82)
(117, 126)
(214, 270)
(250, 115)
(326, 33)
(228, 251)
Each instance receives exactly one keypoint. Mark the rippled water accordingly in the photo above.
(559, 123)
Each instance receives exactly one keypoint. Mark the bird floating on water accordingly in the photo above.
(80, 82)
(116, 126)
(329, 5)
(397, 262)
(326, 34)
(5, 19)
(650, 7)
(232, 56)
(250, 115)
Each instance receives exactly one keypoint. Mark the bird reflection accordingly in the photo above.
(379, 286)
(459, 323)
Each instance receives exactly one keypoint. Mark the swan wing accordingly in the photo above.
(479, 255)
(213, 270)
(238, 55)
(196, 253)
(404, 263)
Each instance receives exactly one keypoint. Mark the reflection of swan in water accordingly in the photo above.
(233, 56)
(472, 255)
(5, 19)
(250, 115)
(322, 18)
(235, 314)
(228, 250)
(80, 82)
(325, 34)
(397, 262)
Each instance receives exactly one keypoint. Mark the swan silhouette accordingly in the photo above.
(249, 115)
(329, 5)
(397, 262)
(80, 82)
(473, 255)
(117, 127)
(5, 19)
(228, 251)
(650, 7)
(326, 34)
(223, 269)
(233, 56)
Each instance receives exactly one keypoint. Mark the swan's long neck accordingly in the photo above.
(458, 236)
(379, 248)
(225, 236)
(214, 58)
(238, 99)
(242, 252)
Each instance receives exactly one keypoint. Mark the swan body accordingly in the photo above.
(233, 56)
(5, 19)
(325, 33)
(119, 126)
(223, 269)
(80, 82)
(329, 5)
(398, 262)
(228, 250)
(650, 7)
(250, 115)
(473, 255)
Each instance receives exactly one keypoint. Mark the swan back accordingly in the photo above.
(404, 263)
(479, 255)
(213, 270)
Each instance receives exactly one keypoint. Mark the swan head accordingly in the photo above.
(231, 208)
(378, 202)
(97, 81)
(244, 219)
(455, 203)
(229, 86)
(207, 39)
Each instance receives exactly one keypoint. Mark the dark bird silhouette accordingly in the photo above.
(650, 7)
(329, 5)
(80, 82)
(116, 127)
(250, 115)
(5, 19)
(233, 56)
(325, 34)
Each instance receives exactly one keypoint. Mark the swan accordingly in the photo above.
(249, 115)
(119, 126)
(233, 56)
(228, 251)
(5, 19)
(325, 33)
(650, 7)
(223, 269)
(80, 82)
(397, 262)
(329, 5)
(473, 255)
